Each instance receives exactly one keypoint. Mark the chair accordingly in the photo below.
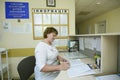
(26, 67)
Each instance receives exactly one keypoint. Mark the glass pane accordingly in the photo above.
(63, 31)
(37, 18)
(55, 18)
(63, 19)
(46, 18)
(38, 31)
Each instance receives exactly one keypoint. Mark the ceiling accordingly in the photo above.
(86, 9)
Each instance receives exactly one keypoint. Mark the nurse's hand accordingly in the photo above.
(64, 65)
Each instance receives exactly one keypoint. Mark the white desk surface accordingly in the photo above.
(63, 76)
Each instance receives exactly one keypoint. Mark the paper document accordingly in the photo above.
(78, 68)
(75, 62)
(108, 77)
(75, 55)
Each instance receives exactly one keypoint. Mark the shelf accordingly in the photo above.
(89, 35)
(4, 66)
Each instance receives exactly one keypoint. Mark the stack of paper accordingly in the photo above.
(74, 55)
(79, 68)
(108, 77)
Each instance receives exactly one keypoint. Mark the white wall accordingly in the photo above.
(112, 19)
(25, 40)
(13, 40)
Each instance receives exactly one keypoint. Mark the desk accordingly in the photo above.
(63, 76)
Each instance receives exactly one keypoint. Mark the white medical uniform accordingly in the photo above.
(45, 54)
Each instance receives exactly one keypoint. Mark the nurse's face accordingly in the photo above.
(51, 37)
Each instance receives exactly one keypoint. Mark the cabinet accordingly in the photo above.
(4, 65)
(108, 50)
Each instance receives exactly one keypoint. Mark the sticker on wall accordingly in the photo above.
(6, 26)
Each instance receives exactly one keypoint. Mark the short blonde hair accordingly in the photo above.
(49, 30)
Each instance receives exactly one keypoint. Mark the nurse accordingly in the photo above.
(48, 62)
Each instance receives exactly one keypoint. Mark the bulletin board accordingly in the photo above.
(57, 18)
(43, 18)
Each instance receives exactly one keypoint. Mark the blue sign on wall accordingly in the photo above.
(17, 10)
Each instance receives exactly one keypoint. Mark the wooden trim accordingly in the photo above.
(21, 52)
(43, 11)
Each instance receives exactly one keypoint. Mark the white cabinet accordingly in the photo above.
(4, 65)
